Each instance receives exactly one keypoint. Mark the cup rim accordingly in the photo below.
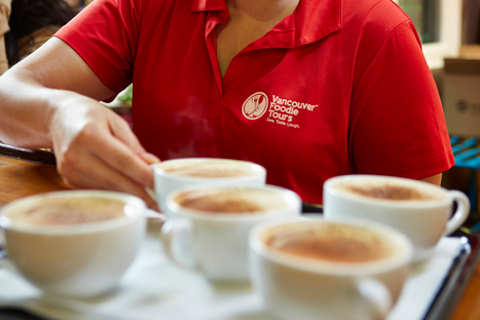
(293, 200)
(404, 257)
(158, 170)
(131, 200)
(329, 188)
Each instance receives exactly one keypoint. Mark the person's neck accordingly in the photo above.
(262, 10)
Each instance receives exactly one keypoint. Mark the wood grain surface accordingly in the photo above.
(20, 178)
(469, 305)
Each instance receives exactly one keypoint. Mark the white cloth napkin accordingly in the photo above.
(153, 288)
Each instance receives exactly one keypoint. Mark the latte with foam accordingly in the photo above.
(336, 243)
(311, 268)
(232, 200)
(68, 211)
(171, 175)
(420, 210)
(208, 168)
(75, 243)
(390, 190)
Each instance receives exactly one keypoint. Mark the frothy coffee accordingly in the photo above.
(68, 211)
(387, 190)
(207, 168)
(337, 243)
(232, 200)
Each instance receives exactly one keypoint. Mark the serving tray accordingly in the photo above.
(154, 288)
(457, 279)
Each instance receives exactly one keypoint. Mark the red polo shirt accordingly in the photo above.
(338, 87)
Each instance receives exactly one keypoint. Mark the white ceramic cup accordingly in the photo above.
(174, 174)
(213, 241)
(419, 209)
(54, 242)
(294, 286)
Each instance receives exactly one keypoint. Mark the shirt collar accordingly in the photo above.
(311, 21)
(315, 19)
(208, 5)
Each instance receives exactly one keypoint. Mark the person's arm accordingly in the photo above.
(397, 122)
(4, 28)
(435, 179)
(50, 99)
(3, 55)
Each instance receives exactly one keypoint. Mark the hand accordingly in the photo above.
(96, 149)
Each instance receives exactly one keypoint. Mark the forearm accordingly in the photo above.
(27, 109)
(436, 179)
(54, 77)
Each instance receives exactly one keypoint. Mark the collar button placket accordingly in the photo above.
(213, 110)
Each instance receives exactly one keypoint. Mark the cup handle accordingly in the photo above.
(460, 215)
(176, 238)
(151, 193)
(3, 252)
(152, 214)
(376, 297)
(3, 249)
(4, 260)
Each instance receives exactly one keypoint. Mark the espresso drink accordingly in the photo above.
(208, 168)
(387, 190)
(232, 200)
(68, 211)
(337, 243)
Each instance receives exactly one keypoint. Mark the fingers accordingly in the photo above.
(90, 172)
(104, 143)
(149, 158)
(97, 149)
(120, 129)
(122, 161)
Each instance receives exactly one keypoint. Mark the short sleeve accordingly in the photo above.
(105, 35)
(397, 124)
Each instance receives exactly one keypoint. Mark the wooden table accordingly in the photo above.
(24, 173)
(20, 178)
(469, 305)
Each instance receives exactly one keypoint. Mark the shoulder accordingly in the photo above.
(378, 27)
(135, 10)
(375, 17)
(380, 10)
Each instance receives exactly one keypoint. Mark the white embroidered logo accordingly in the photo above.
(255, 106)
(280, 111)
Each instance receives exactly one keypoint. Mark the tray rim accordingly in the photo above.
(453, 286)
